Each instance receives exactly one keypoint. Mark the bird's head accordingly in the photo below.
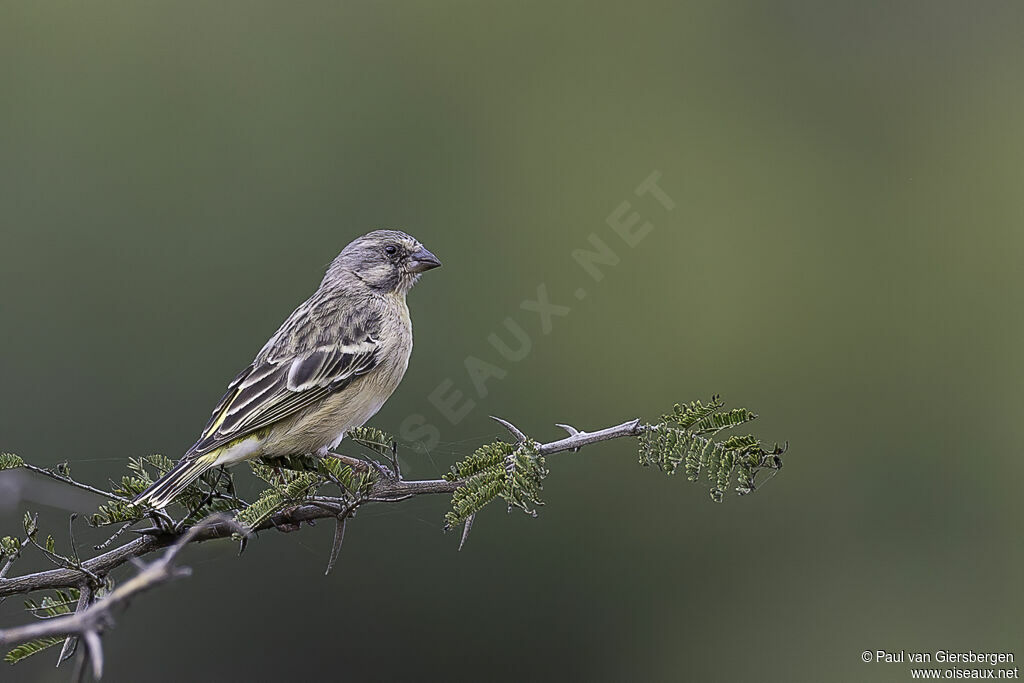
(386, 260)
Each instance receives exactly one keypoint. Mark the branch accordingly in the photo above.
(156, 539)
(385, 490)
(90, 622)
(497, 469)
(64, 479)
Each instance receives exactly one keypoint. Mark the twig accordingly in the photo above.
(580, 439)
(155, 538)
(85, 596)
(92, 616)
(10, 560)
(384, 490)
(71, 482)
(90, 622)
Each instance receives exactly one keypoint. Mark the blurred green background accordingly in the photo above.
(843, 258)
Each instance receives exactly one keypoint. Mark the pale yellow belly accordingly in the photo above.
(325, 425)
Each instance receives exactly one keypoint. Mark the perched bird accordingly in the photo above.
(328, 369)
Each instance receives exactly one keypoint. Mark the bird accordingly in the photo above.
(328, 369)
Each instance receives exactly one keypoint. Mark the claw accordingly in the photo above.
(381, 470)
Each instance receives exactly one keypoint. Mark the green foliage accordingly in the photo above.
(9, 546)
(686, 436)
(295, 488)
(63, 603)
(689, 437)
(269, 502)
(374, 439)
(115, 512)
(685, 416)
(143, 472)
(499, 469)
(482, 459)
(131, 485)
(30, 648)
(289, 487)
(10, 461)
(719, 421)
(356, 484)
(160, 463)
(291, 480)
(30, 524)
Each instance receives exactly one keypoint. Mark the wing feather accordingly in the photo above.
(273, 389)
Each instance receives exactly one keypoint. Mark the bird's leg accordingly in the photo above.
(207, 499)
(355, 463)
(364, 465)
(381, 470)
(358, 465)
(396, 468)
(162, 521)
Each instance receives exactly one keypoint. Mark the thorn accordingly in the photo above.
(572, 432)
(465, 530)
(569, 428)
(148, 531)
(519, 436)
(92, 640)
(181, 572)
(339, 537)
(67, 651)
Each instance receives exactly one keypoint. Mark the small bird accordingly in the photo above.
(329, 368)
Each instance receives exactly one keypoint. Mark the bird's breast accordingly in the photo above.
(366, 395)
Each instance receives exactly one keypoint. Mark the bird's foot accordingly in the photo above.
(361, 466)
(356, 464)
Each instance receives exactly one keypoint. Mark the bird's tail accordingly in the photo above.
(166, 488)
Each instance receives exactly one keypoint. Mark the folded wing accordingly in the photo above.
(272, 389)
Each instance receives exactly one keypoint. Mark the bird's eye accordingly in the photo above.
(391, 250)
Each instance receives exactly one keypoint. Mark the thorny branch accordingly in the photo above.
(385, 490)
(94, 614)
(90, 620)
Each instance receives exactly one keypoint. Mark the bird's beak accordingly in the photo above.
(422, 260)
